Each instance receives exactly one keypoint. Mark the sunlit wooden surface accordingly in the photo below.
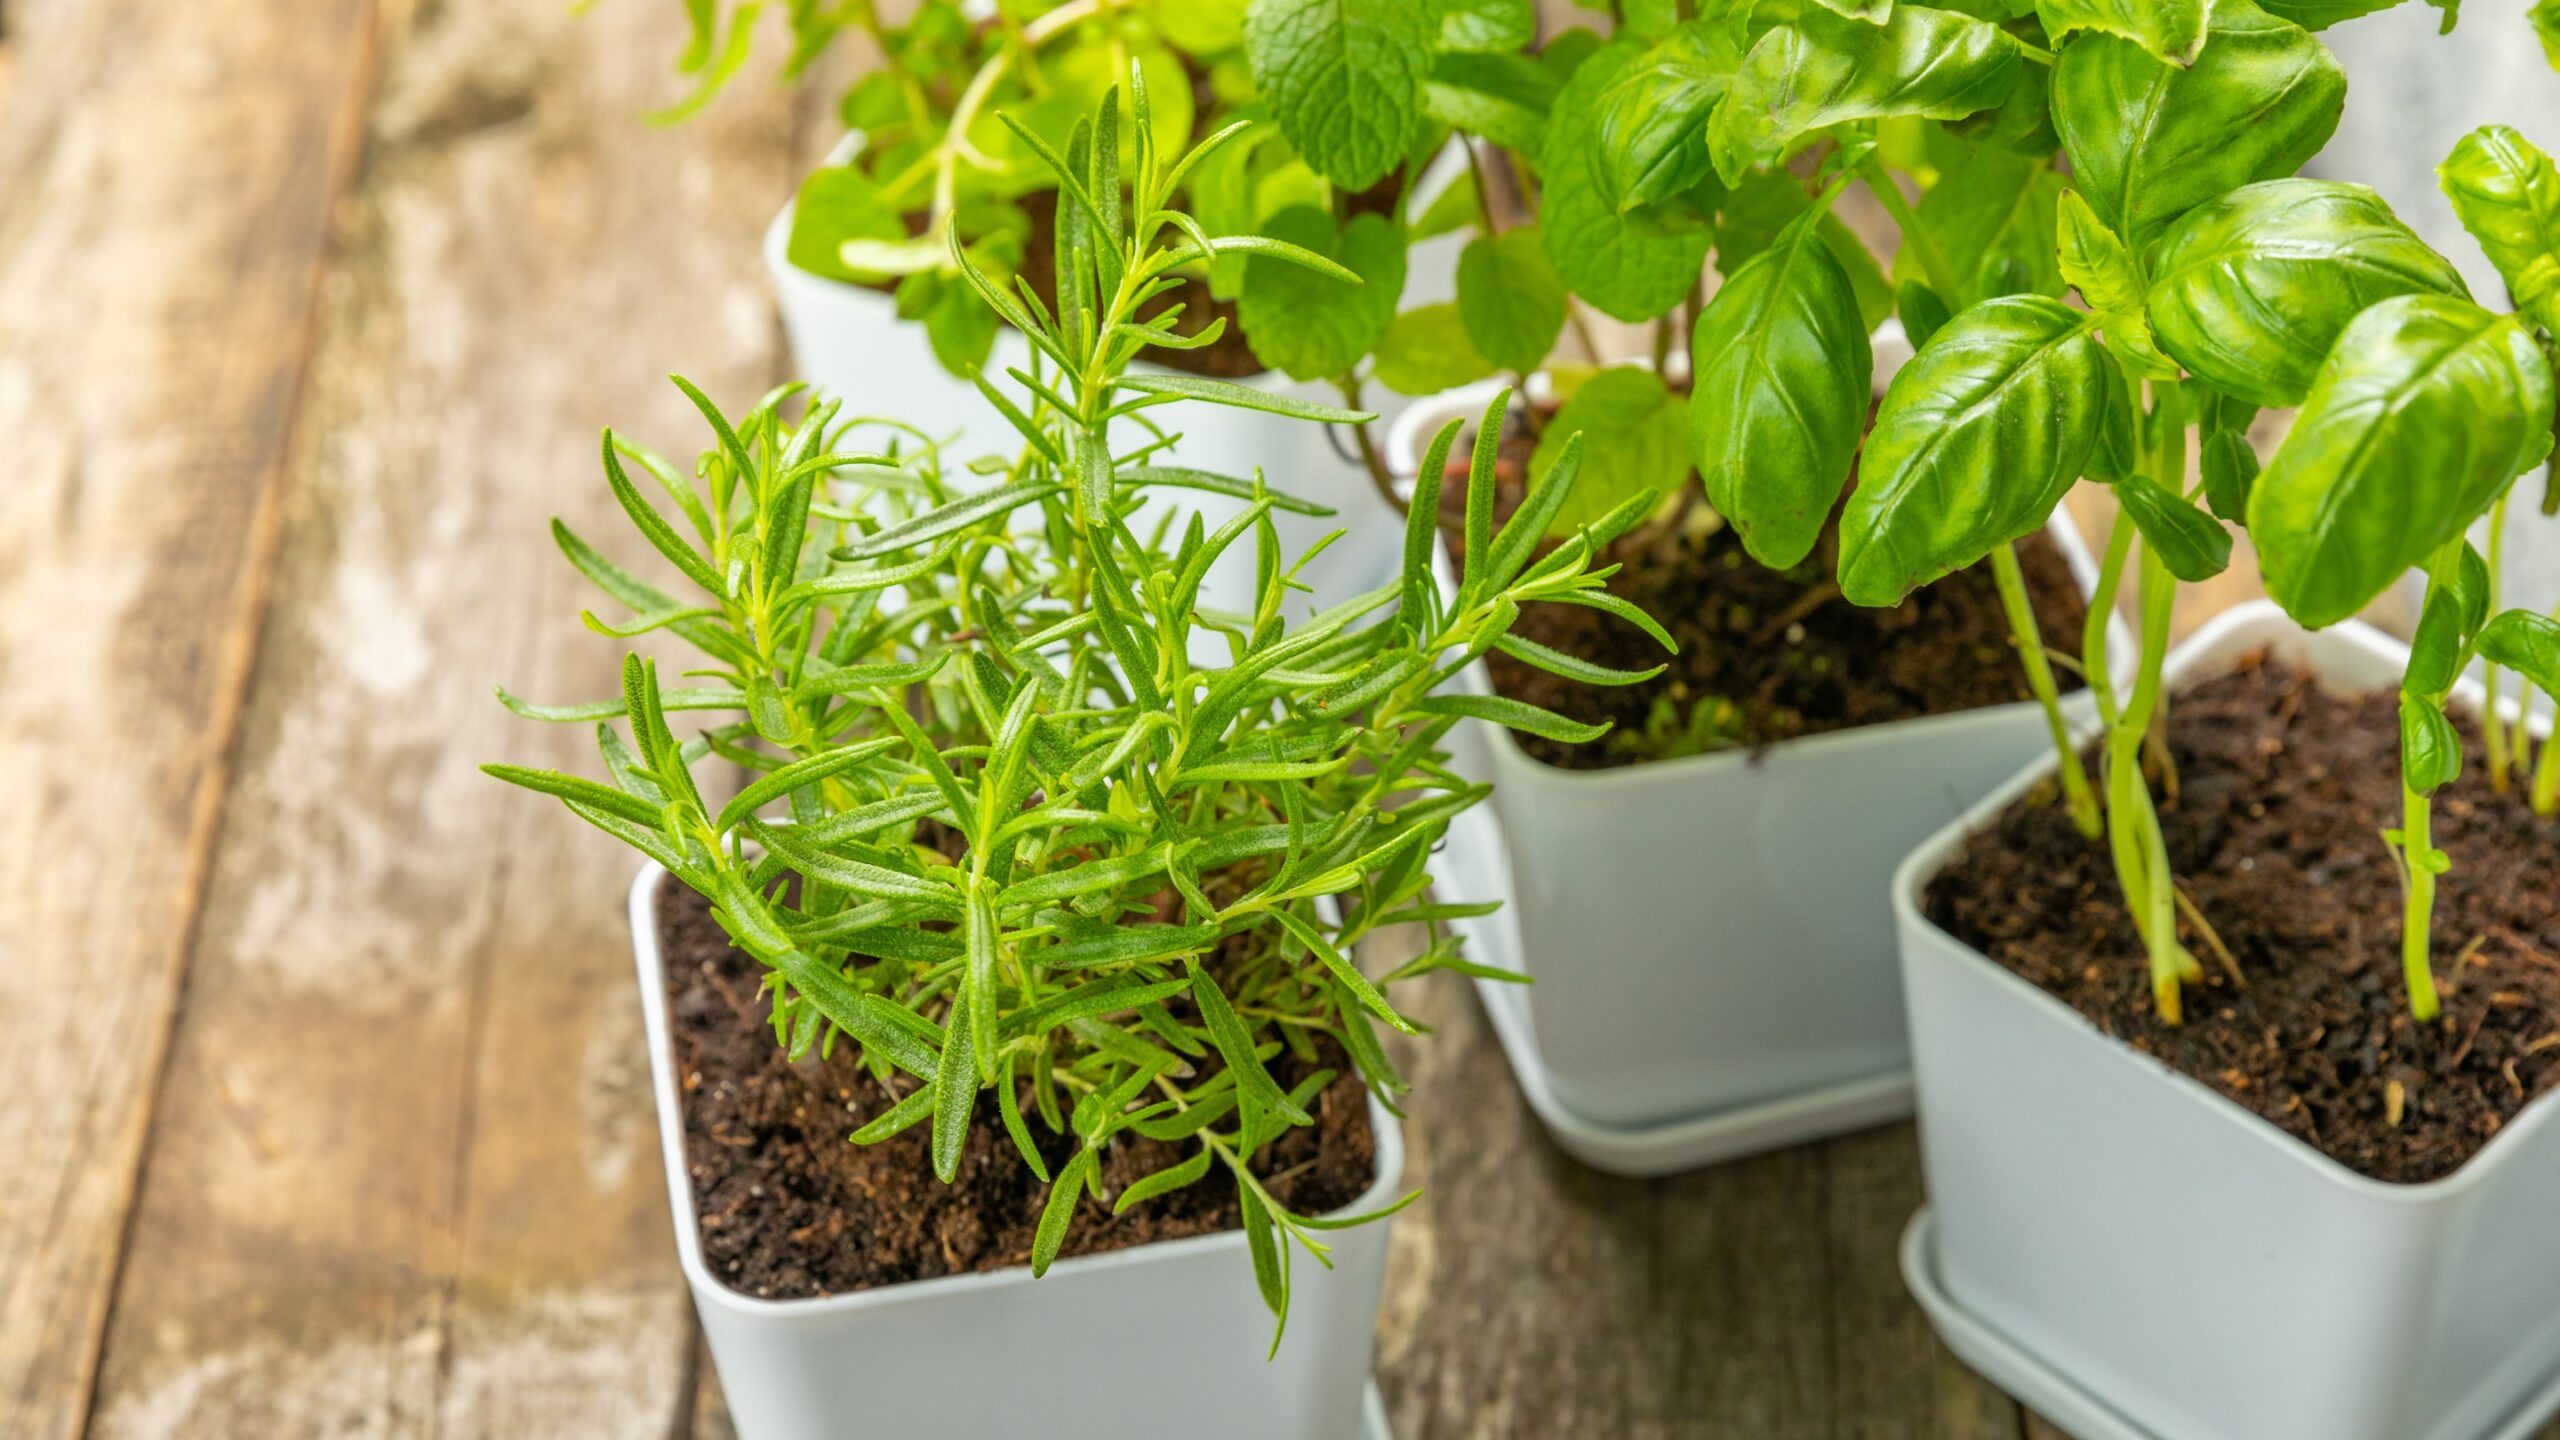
(322, 1108)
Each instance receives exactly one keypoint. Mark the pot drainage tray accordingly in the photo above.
(2056, 1396)
(1665, 1147)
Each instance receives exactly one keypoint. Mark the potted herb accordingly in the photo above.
(1697, 999)
(2217, 1104)
(1367, 162)
(1054, 919)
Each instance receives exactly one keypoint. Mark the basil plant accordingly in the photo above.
(2216, 283)
(1004, 834)
(1356, 100)
(1734, 130)
(2141, 155)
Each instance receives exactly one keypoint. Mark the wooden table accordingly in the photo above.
(322, 1104)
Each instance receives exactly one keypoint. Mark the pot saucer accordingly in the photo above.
(2055, 1395)
(1665, 1147)
(1373, 1416)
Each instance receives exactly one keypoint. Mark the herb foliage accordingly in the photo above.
(1003, 834)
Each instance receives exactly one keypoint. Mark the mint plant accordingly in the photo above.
(1003, 834)
(1737, 130)
(1359, 98)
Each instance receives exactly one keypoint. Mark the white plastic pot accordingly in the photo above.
(1159, 1340)
(1710, 938)
(849, 342)
(2150, 1261)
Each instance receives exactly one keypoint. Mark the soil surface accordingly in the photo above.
(2284, 789)
(1765, 655)
(789, 1209)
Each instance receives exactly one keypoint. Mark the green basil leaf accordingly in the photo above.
(2455, 607)
(2149, 140)
(2249, 291)
(1426, 351)
(1992, 219)
(2321, 14)
(2192, 544)
(1653, 117)
(1783, 379)
(2173, 30)
(2430, 751)
(2230, 466)
(2427, 408)
(2096, 264)
(1509, 299)
(1311, 326)
(1632, 267)
(1344, 78)
(1633, 442)
(1823, 69)
(1974, 444)
(2117, 453)
(1920, 310)
(2506, 193)
(2527, 643)
(1766, 203)
(2545, 15)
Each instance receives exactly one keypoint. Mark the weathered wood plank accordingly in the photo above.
(1529, 1297)
(1891, 1378)
(169, 173)
(405, 1178)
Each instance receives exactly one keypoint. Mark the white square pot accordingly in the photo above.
(1711, 937)
(2130, 1245)
(1003, 1354)
(849, 342)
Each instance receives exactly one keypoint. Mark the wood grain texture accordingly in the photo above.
(398, 1171)
(169, 172)
(405, 1177)
(1530, 1297)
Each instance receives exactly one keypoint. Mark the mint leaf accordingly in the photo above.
(1344, 78)
(838, 204)
(1632, 267)
(1509, 299)
(1310, 326)
(1486, 25)
(1503, 98)
(1634, 439)
(1426, 352)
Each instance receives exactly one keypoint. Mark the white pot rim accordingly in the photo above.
(1933, 855)
(710, 1289)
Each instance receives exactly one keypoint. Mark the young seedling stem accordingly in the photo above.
(2030, 642)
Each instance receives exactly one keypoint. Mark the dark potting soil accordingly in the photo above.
(790, 1209)
(1765, 655)
(2283, 790)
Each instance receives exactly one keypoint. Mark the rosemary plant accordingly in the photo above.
(1005, 835)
